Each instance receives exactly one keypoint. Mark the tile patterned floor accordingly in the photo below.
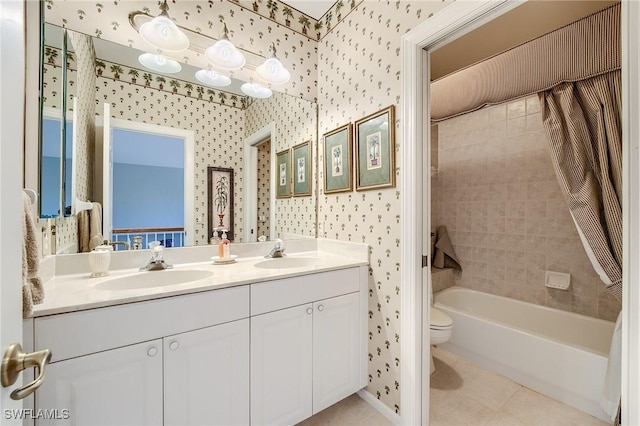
(463, 394)
(351, 411)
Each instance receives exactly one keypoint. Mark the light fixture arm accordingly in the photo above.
(164, 9)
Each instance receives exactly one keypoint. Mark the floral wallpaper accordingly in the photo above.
(85, 124)
(248, 30)
(264, 189)
(354, 70)
(296, 122)
(80, 80)
(219, 133)
(358, 74)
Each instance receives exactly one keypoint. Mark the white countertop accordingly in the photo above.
(75, 292)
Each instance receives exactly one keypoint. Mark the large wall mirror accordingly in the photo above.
(229, 131)
(56, 124)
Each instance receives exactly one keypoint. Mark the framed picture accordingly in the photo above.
(283, 171)
(220, 200)
(375, 150)
(301, 158)
(338, 160)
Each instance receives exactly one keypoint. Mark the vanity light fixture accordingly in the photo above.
(212, 78)
(272, 71)
(159, 63)
(163, 34)
(256, 90)
(223, 54)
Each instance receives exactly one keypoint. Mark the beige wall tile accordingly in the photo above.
(511, 219)
(516, 109)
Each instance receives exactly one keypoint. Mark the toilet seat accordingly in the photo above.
(440, 320)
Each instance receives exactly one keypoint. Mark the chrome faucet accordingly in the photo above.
(277, 250)
(156, 263)
(125, 244)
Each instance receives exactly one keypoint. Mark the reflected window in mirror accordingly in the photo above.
(51, 184)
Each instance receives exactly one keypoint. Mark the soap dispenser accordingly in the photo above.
(224, 248)
(215, 238)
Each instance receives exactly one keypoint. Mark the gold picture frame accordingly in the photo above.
(375, 148)
(338, 160)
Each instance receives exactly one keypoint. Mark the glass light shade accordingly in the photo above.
(224, 54)
(256, 91)
(162, 33)
(159, 63)
(212, 78)
(272, 71)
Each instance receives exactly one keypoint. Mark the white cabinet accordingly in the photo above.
(336, 355)
(191, 369)
(269, 353)
(281, 350)
(118, 387)
(206, 376)
(304, 359)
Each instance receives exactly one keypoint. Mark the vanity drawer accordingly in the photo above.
(94, 330)
(280, 294)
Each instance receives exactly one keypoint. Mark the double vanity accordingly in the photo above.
(259, 341)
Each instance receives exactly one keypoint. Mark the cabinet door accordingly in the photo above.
(206, 376)
(281, 346)
(336, 350)
(117, 387)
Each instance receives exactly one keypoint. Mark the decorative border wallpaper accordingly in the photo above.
(144, 78)
(358, 74)
(248, 30)
(296, 215)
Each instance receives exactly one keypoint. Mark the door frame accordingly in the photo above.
(453, 21)
(12, 103)
(250, 179)
(189, 169)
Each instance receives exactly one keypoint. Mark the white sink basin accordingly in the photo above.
(286, 262)
(154, 279)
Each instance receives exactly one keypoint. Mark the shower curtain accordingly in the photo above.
(582, 121)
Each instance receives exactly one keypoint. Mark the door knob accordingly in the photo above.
(14, 361)
(309, 311)
(321, 308)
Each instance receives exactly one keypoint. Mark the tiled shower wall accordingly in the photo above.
(497, 193)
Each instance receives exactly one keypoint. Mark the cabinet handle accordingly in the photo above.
(174, 345)
(320, 308)
(309, 311)
(152, 351)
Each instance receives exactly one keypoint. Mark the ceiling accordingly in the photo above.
(526, 22)
(313, 8)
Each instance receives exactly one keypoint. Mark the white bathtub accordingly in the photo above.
(559, 354)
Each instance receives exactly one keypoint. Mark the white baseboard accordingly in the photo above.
(380, 407)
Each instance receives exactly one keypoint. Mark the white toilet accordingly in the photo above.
(441, 326)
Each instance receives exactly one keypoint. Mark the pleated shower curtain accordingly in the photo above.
(582, 121)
